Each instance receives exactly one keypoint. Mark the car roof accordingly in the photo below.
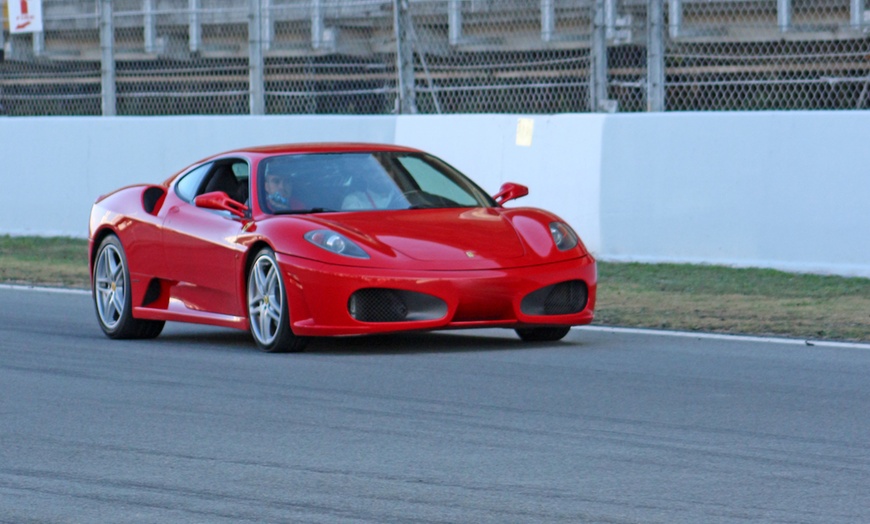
(310, 147)
(321, 147)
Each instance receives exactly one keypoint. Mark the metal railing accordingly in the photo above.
(162, 57)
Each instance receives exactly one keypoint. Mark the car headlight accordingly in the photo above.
(335, 242)
(564, 237)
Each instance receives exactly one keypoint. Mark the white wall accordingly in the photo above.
(561, 166)
(787, 190)
(52, 169)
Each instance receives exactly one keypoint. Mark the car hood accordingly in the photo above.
(424, 239)
(438, 234)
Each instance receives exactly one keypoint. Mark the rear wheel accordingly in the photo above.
(268, 313)
(111, 293)
(543, 334)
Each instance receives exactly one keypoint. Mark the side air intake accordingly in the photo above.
(152, 199)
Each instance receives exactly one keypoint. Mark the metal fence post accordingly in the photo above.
(267, 27)
(548, 20)
(454, 21)
(406, 102)
(783, 15)
(107, 58)
(610, 18)
(2, 43)
(675, 18)
(856, 16)
(598, 70)
(655, 56)
(194, 29)
(149, 29)
(257, 97)
(317, 24)
(38, 43)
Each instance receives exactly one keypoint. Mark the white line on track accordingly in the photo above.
(719, 336)
(45, 289)
(601, 329)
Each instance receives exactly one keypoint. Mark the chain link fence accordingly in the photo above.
(172, 57)
(54, 72)
(785, 54)
(180, 57)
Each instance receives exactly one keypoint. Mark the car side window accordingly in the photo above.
(227, 176)
(243, 173)
(189, 184)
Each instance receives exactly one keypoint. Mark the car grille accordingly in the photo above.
(563, 298)
(394, 305)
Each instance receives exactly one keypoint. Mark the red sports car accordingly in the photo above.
(298, 241)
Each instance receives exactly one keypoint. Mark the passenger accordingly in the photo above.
(379, 192)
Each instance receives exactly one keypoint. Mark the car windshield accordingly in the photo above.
(324, 182)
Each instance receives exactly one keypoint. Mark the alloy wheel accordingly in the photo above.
(110, 286)
(265, 300)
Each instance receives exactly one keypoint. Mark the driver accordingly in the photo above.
(279, 193)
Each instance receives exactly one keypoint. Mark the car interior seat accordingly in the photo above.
(242, 192)
(223, 180)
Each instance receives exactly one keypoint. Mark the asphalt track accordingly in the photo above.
(607, 426)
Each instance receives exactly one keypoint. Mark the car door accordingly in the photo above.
(202, 256)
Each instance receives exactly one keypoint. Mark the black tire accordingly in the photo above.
(543, 334)
(270, 326)
(110, 289)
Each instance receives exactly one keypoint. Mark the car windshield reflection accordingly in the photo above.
(369, 181)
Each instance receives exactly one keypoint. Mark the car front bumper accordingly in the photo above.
(322, 297)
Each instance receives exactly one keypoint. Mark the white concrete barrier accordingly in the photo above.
(786, 190)
(52, 169)
(561, 165)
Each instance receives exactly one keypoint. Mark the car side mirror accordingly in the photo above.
(510, 191)
(220, 201)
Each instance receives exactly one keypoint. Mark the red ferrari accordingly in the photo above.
(297, 241)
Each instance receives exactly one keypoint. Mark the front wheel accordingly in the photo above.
(111, 293)
(268, 313)
(544, 334)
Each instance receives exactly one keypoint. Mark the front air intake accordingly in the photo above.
(394, 305)
(564, 298)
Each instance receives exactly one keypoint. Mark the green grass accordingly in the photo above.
(666, 296)
(54, 261)
(680, 278)
(729, 300)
